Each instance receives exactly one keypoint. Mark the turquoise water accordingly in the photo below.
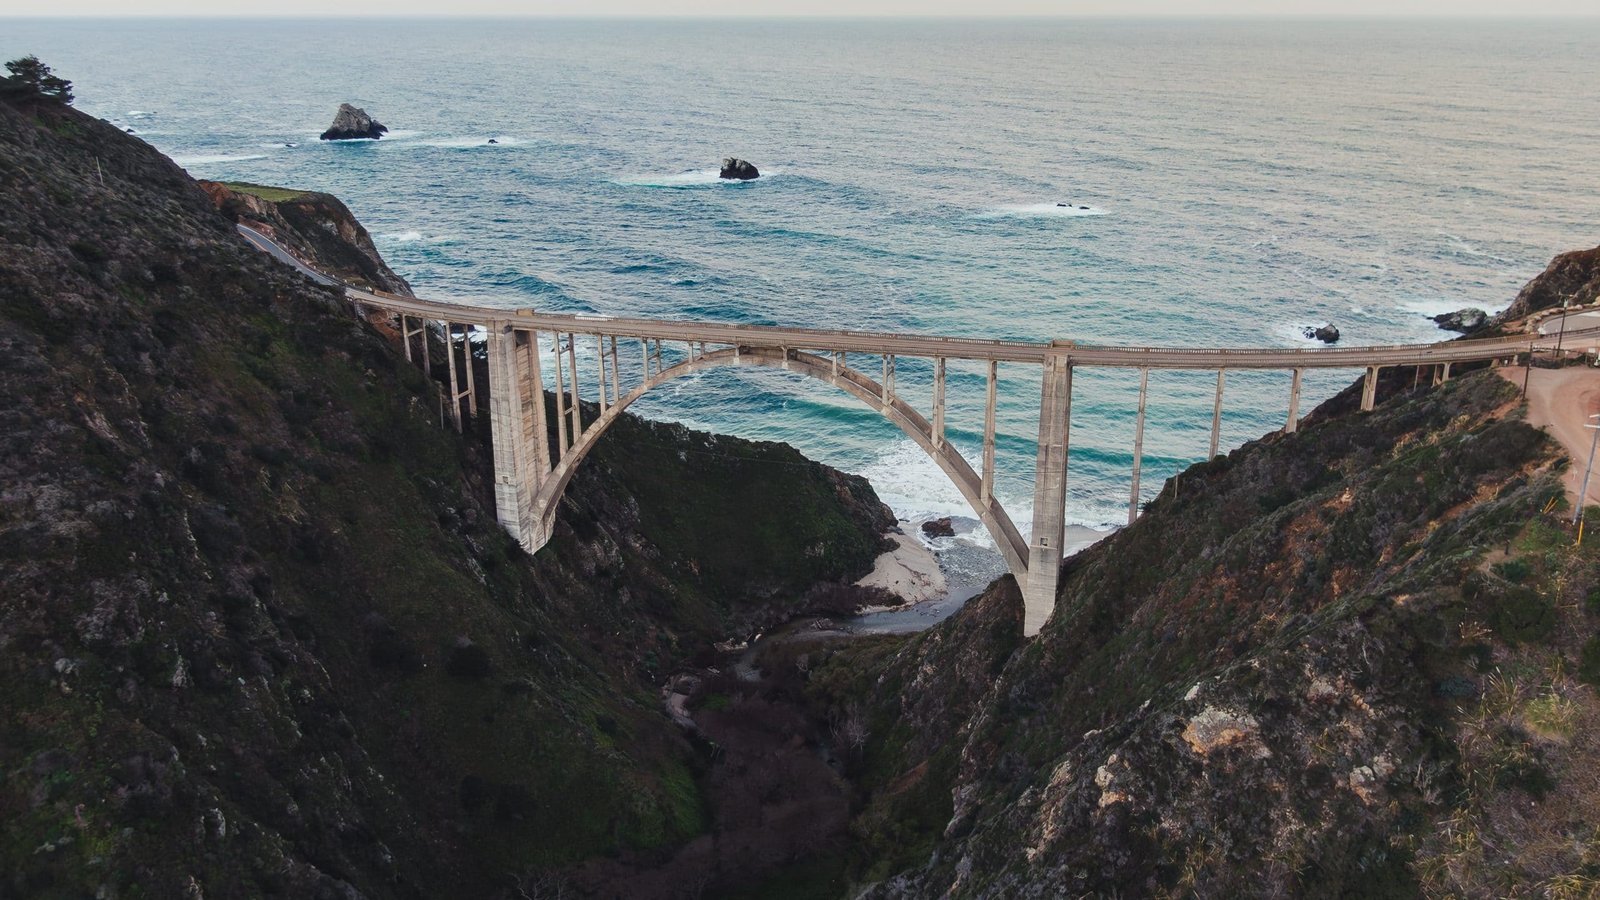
(1245, 178)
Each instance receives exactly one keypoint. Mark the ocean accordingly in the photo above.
(1244, 180)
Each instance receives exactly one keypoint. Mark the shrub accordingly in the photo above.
(1589, 661)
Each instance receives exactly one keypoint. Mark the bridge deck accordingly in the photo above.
(836, 340)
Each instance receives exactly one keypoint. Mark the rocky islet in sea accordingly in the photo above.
(352, 123)
(736, 169)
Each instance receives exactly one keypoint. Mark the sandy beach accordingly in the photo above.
(909, 570)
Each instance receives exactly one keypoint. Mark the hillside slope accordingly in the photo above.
(259, 633)
(1343, 662)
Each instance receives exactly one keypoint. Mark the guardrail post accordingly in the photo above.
(1049, 493)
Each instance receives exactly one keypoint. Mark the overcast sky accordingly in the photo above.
(657, 8)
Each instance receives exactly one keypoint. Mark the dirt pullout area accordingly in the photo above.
(1560, 401)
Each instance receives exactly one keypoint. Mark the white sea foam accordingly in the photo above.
(1044, 211)
(1438, 306)
(139, 113)
(686, 179)
(187, 161)
(404, 237)
(464, 142)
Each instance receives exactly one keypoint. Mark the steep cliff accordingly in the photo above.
(314, 226)
(259, 633)
(1571, 277)
(1334, 663)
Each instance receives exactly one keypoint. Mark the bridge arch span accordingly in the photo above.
(547, 498)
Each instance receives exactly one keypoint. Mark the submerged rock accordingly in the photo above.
(352, 123)
(1327, 334)
(1462, 320)
(737, 169)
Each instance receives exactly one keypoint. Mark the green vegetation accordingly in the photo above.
(265, 192)
(263, 632)
(31, 79)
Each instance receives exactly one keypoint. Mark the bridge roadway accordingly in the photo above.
(530, 479)
(932, 347)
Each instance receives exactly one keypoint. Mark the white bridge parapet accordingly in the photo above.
(533, 466)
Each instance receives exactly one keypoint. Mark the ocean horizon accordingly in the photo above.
(1228, 181)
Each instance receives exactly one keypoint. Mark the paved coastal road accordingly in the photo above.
(1583, 330)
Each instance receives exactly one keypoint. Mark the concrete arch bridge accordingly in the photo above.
(635, 356)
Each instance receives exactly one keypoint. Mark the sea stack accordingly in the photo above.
(1465, 321)
(353, 124)
(736, 169)
(1327, 334)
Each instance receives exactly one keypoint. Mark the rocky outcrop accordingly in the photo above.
(737, 169)
(1328, 334)
(940, 527)
(314, 227)
(1464, 321)
(352, 123)
(1573, 278)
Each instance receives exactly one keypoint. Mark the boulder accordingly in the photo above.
(938, 528)
(1462, 320)
(737, 169)
(352, 124)
(1327, 334)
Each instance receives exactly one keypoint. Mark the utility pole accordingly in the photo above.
(1583, 492)
(1563, 332)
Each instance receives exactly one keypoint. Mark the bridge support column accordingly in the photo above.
(1446, 376)
(987, 490)
(455, 390)
(1293, 424)
(1049, 494)
(1138, 444)
(616, 381)
(1369, 389)
(516, 431)
(600, 357)
(572, 384)
(466, 359)
(562, 442)
(1216, 415)
(938, 403)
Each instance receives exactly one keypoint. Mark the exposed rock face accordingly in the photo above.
(738, 170)
(1327, 334)
(939, 528)
(1572, 277)
(1464, 321)
(351, 124)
